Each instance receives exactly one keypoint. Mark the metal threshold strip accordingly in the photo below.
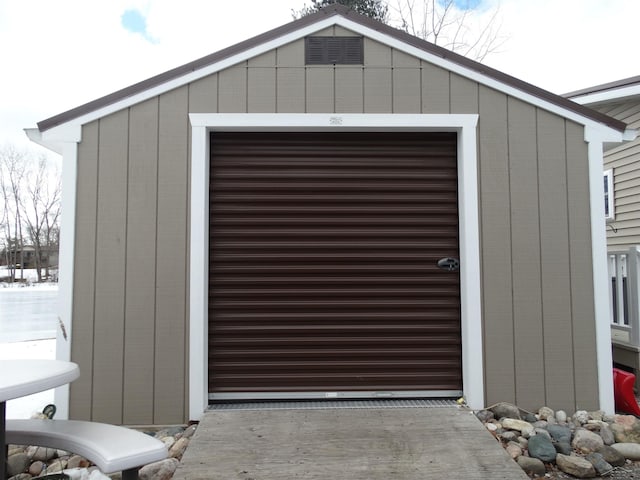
(336, 404)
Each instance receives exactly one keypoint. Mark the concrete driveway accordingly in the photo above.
(349, 444)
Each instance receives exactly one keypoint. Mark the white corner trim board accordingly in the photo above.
(595, 139)
(464, 125)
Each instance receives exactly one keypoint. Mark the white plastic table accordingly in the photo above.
(19, 378)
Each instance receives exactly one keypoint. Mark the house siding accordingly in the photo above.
(131, 279)
(624, 230)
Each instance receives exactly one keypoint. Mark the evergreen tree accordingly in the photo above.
(376, 9)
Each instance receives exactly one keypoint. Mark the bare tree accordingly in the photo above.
(12, 167)
(472, 32)
(40, 205)
(29, 211)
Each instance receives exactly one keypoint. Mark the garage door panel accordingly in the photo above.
(323, 256)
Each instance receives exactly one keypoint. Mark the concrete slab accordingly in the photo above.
(349, 444)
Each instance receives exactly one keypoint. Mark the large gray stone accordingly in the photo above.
(505, 410)
(599, 463)
(611, 455)
(485, 415)
(540, 447)
(532, 466)
(559, 433)
(563, 447)
(586, 441)
(607, 434)
(630, 451)
(576, 466)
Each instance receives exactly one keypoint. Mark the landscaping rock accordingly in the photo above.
(586, 441)
(545, 412)
(611, 455)
(581, 417)
(162, 470)
(532, 466)
(559, 433)
(540, 447)
(563, 447)
(607, 434)
(505, 410)
(599, 463)
(17, 463)
(514, 450)
(561, 416)
(630, 451)
(509, 436)
(21, 476)
(178, 448)
(485, 415)
(626, 429)
(519, 425)
(37, 468)
(576, 466)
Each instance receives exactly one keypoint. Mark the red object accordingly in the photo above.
(625, 399)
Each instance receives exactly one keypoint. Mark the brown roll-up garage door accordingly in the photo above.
(323, 264)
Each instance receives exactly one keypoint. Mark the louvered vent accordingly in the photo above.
(334, 51)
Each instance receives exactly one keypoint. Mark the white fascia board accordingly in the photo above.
(607, 95)
(357, 28)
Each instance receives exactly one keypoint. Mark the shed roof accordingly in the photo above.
(302, 25)
(617, 90)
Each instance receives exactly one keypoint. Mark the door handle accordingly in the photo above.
(449, 264)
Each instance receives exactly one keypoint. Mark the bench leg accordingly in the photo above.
(131, 474)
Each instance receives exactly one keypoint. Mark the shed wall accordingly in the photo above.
(131, 279)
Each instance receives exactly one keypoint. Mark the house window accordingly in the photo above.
(334, 50)
(608, 195)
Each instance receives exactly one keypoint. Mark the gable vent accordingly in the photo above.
(334, 51)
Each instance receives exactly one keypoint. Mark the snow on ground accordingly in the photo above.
(27, 278)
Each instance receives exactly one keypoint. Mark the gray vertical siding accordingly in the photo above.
(140, 301)
(131, 293)
(495, 231)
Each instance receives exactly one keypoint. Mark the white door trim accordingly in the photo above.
(470, 292)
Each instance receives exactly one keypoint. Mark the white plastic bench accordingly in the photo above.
(109, 447)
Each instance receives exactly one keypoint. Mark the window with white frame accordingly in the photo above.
(609, 213)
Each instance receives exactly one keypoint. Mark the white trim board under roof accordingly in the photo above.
(613, 129)
(626, 88)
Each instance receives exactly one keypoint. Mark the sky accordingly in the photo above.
(57, 55)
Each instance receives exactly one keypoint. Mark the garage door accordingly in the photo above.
(324, 276)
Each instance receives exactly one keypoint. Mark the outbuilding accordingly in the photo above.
(332, 209)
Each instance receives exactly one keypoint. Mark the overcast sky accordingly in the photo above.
(58, 54)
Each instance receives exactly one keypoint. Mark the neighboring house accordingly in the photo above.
(621, 100)
(284, 219)
(27, 255)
